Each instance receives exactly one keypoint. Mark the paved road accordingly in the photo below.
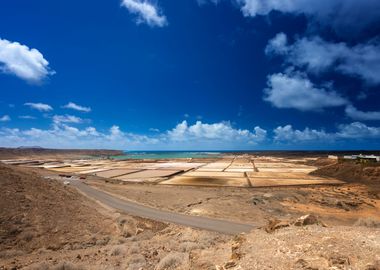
(136, 209)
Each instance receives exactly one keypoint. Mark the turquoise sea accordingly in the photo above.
(167, 154)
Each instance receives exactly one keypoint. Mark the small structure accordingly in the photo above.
(363, 158)
(332, 157)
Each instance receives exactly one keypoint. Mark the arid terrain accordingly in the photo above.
(326, 216)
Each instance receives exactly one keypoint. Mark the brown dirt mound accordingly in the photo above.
(320, 162)
(351, 172)
(40, 213)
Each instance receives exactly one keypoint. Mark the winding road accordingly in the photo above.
(132, 208)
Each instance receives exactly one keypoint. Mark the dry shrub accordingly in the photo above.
(136, 261)
(67, 266)
(118, 250)
(28, 236)
(11, 253)
(128, 227)
(134, 248)
(40, 266)
(368, 222)
(208, 240)
(175, 260)
(188, 246)
(103, 242)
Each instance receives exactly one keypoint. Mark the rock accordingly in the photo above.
(309, 219)
(236, 253)
(373, 266)
(339, 260)
(312, 263)
(275, 224)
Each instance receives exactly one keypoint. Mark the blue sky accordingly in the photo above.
(190, 75)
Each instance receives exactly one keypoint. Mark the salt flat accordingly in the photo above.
(238, 171)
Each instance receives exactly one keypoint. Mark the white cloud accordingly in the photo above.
(356, 114)
(147, 12)
(5, 118)
(67, 119)
(357, 130)
(277, 45)
(218, 136)
(27, 64)
(222, 131)
(296, 91)
(73, 106)
(288, 134)
(317, 55)
(346, 17)
(26, 117)
(39, 106)
(64, 136)
(183, 136)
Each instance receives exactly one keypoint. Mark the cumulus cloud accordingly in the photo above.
(222, 131)
(296, 91)
(5, 118)
(346, 17)
(67, 119)
(288, 134)
(73, 106)
(146, 12)
(317, 55)
(39, 106)
(22, 61)
(356, 114)
(182, 136)
(355, 130)
(66, 136)
(358, 130)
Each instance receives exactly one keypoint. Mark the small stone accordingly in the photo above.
(307, 220)
(230, 264)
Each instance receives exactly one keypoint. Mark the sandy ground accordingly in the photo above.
(47, 225)
(339, 205)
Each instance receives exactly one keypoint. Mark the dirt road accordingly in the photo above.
(132, 208)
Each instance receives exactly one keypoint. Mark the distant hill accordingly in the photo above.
(30, 147)
(36, 151)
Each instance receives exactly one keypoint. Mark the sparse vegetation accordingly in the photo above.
(75, 236)
(59, 266)
(188, 246)
(368, 222)
(173, 261)
(10, 253)
(118, 250)
(67, 266)
(136, 261)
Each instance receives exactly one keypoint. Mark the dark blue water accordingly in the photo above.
(167, 154)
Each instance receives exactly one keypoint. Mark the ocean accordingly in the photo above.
(167, 154)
